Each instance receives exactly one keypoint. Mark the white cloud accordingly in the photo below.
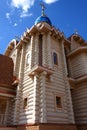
(50, 1)
(23, 15)
(8, 15)
(23, 4)
(15, 24)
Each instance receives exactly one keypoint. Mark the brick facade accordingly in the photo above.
(6, 70)
(82, 127)
(48, 127)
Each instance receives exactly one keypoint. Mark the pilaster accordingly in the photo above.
(67, 88)
(36, 99)
(5, 122)
(32, 51)
(43, 115)
(36, 49)
(16, 63)
(49, 50)
(19, 87)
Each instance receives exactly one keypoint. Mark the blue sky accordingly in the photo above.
(17, 15)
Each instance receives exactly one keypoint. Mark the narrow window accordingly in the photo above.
(25, 103)
(67, 63)
(58, 102)
(40, 50)
(55, 59)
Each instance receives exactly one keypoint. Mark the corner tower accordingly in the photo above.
(43, 99)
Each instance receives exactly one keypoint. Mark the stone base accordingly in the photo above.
(82, 127)
(48, 127)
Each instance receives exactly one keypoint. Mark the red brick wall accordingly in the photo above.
(35, 127)
(82, 127)
(47, 127)
(6, 70)
(58, 127)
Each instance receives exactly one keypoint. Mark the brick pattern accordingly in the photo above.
(28, 128)
(48, 127)
(6, 70)
(58, 127)
(8, 128)
(82, 127)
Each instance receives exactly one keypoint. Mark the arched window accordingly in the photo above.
(55, 58)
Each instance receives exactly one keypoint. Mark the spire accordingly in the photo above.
(43, 8)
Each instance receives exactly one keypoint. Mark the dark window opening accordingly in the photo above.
(67, 64)
(40, 50)
(58, 102)
(25, 103)
(55, 59)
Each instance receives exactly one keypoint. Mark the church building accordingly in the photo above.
(43, 80)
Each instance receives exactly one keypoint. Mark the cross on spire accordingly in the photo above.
(43, 8)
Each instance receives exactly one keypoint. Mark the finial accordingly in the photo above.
(43, 8)
(76, 32)
(17, 38)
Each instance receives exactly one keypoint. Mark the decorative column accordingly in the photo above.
(67, 88)
(49, 50)
(43, 115)
(36, 99)
(32, 52)
(16, 63)
(44, 51)
(36, 49)
(19, 87)
(5, 122)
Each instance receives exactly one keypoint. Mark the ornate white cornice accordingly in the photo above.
(11, 46)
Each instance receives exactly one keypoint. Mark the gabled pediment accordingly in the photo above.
(77, 38)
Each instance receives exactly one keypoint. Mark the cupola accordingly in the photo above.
(43, 17)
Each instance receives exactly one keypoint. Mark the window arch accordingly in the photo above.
(55, 58)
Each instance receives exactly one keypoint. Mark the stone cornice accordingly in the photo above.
(40, 69)
(9, 92)
(73, 82)
(45, 28)
(78, 38)
(6, 86)
(67, 42)
(39, 28)
(25, 38)
(78, 50)
(11, 46)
